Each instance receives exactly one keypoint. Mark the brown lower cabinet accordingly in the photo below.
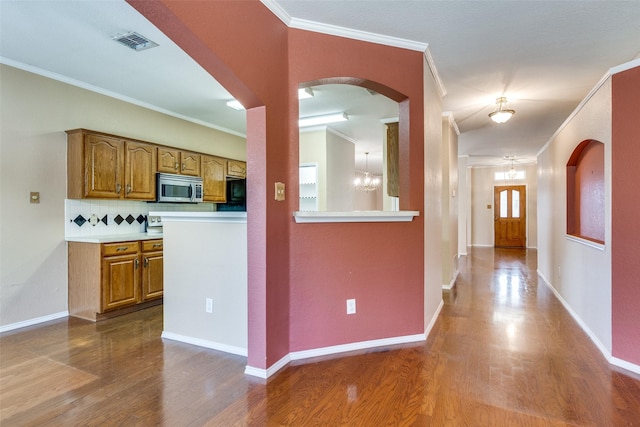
(107, 279)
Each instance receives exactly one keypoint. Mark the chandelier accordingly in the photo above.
(502, 113)
(367, 182)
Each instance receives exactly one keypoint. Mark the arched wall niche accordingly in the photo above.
(586, 191)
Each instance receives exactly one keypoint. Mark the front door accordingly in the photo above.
(510, 222)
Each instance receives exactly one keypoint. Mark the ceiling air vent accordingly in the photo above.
(135, 41)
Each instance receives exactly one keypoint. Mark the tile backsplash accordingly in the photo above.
(105, 217)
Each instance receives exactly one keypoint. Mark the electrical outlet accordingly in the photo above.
(209, 308)
(351, 306)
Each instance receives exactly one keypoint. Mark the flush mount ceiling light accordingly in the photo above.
(322, 120)
(305, 92)
(235, 104)
(135, 41)
(502, 112)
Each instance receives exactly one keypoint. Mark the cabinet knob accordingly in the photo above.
(128, 188)
(176, 166)
(136, 263)
(183, 167)
(118, 188)
(146, 262)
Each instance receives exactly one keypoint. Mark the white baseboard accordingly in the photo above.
(427, 330)
(362, 345)
(481, 246)
(605, 352)
(625, 365)
(266, 373)
(452, 283)
(205, 343)
(32, 322)
(337, 349)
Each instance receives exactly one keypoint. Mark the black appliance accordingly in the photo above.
(236, 196)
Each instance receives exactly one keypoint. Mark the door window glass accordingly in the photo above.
(503, 204)
(515, 204)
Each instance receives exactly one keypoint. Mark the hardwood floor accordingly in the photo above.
(503, 352)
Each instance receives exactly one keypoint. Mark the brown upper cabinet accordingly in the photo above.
(172, 160)
(236, 169)
(214, 179)
(105, 166)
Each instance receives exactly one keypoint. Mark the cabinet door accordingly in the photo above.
(236, 168)
(168, 160)
(103, 164)
(152, 275)
(140, 171)
(120, 281)
(214, 179)
(190, 163)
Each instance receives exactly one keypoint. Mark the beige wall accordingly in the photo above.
(433, 158)
(482, 184)
(464, 205)
(334, 156)
(190, 278)
(578, 271)
(34, 113)
(449, 203)
(313, 150)
(340, 173)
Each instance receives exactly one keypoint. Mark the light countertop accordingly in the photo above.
(201, 216)
(110, 238)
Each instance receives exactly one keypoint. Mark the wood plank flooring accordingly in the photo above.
(503, 352)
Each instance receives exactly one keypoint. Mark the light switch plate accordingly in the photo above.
(279, 191)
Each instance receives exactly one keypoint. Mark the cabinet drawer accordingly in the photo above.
(151, 245)
(121, 248)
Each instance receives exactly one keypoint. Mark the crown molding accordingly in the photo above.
(334, 30)
(349, 33)
(452, 121)
(434, 71)
(277, 10)
(111, 94)
(612, 71)
(624, 67)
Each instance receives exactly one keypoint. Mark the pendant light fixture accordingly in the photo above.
(512, 174)
(502, 113)
(368, 182)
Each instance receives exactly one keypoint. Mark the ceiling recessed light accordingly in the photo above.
(235, 104)
(322, 120)
(135, 41)
(305, 92)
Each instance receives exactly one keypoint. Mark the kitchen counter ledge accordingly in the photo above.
(202, 216)
(111, 238)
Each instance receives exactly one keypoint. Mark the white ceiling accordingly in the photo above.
(545, 56)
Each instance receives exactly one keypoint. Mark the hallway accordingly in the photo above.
(503, 352)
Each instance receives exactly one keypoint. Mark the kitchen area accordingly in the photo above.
(148, 224)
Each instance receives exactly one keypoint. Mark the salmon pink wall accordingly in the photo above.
(625, 232)
(378, 264)
(301, 274)
(244, 46)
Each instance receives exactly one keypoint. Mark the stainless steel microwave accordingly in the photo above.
(178, 188)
